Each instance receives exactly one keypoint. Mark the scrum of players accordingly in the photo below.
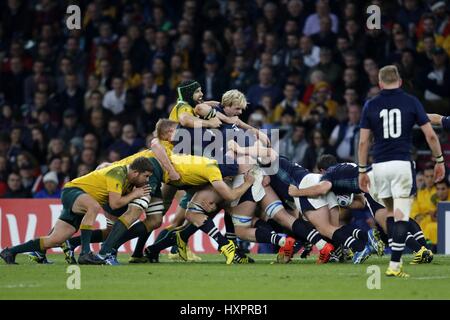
(266, 197)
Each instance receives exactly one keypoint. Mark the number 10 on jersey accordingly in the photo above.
(392, 123)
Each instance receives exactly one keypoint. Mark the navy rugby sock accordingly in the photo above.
(416, 232)
(398, 240)
(211, 230)
(29, 246)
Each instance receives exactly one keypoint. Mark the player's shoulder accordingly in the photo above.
(219, 108)
(182, 105)
(349, 164)
(286, 163)
(343, 165)
(379, 99)
(408, 96)
(372, 100)
(337, 168)
(118, 171)
(167, 145)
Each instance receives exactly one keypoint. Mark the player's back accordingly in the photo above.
(344, 178)
(148, 153)
(288, 173)
(391, 116)
(99, 183)
(195, 170)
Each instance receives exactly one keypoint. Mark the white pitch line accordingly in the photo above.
(20, 285)
(429, 278)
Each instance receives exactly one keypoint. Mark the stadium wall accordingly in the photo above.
(443, 227)
(24, 219)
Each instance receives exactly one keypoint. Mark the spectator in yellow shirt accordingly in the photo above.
(290, 101)
(442, 194)
(423, 207)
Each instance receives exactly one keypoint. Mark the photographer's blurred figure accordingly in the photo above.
(319, 118)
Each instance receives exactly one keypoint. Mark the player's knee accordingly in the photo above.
(196, 219)
(273, 208)
(324, 230)
(155, 208)
(241, 221)
(156, 221)
(139, 205)
(53, 241)
(194, 207)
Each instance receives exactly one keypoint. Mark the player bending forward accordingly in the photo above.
(82, 199)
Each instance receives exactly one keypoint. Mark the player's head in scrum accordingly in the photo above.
(165, 129)
(234, 103)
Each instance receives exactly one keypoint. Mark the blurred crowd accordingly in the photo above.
(71, 99)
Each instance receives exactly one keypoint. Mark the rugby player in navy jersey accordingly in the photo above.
(317, 210)
(389, 117)
(342, 179)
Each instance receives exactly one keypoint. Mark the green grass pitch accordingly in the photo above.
(212, 279)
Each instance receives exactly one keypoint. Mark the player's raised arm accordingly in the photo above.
(435, 146)
(190, 121)
(258, 133)
(233, 103)
(212, 103)
(207, 111)
(163, 158)
(266, 155)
